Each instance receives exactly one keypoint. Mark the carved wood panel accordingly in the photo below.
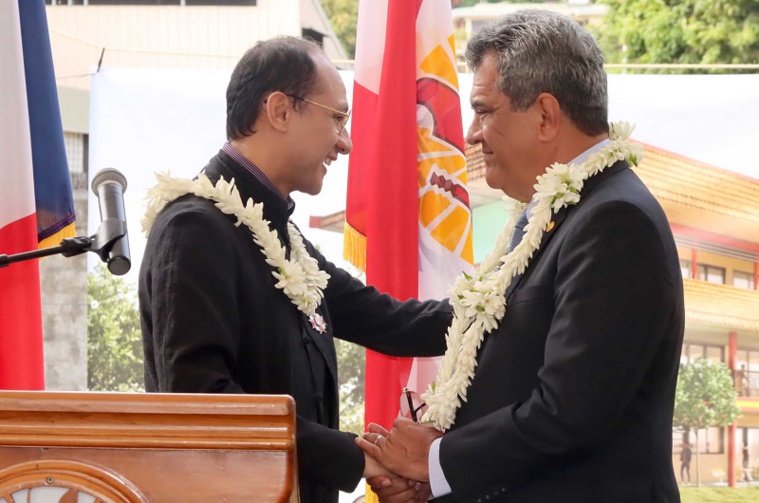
(64, 481)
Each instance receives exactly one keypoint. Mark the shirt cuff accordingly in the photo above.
(438, 483)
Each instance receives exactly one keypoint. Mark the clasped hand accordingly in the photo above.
(403, 452)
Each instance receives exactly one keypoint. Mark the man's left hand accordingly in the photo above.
(403, 450)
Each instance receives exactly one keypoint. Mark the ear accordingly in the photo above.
(550, 116)
(278, 110)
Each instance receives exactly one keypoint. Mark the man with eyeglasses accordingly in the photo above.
(235, 301)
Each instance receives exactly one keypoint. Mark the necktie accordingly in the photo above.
(518, 231)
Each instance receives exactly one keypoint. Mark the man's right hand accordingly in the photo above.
(399, 490)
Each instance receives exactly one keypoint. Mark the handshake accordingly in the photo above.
(397, 467)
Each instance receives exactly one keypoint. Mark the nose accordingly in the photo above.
(344, 143)
(474, 135)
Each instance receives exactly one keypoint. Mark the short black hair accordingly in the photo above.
(283, 64)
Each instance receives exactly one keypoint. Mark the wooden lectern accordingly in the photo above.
(140, 448)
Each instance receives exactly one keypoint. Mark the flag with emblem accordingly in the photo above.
(36, 202)
(408, 222)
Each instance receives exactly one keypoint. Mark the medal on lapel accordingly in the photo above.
(318, 323)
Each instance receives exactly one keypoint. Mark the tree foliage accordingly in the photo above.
(351, 370)
(343, 16)
(114, 337)
(351, 360)
(705, 396)
(681, 31)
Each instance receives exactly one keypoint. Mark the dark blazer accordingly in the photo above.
(213, 322)
(573, 394)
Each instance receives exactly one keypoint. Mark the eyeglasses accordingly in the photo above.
(412, 406)
(341, 118)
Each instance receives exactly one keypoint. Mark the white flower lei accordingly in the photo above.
(299, 277)
(478, 300)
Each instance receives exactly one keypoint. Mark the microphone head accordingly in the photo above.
(108, 175)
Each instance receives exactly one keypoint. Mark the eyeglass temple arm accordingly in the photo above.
(411, 405)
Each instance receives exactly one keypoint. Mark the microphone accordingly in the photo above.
(109, 185)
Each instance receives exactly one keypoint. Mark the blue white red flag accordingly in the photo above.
(36, 202)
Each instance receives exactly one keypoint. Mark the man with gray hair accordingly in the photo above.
(559, 378)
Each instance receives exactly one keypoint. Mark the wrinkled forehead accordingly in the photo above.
(485, 80)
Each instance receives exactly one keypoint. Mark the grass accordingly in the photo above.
(719, 494)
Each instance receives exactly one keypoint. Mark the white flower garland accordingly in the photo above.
(299, 277)
(478, 300)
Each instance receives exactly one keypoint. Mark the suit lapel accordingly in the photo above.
(325, 346)
(548, 233)
(559, 218)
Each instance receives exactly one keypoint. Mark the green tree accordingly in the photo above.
(114, 339)
(343, 16)
(705, 397)
(681, 31)
(351, 365)
(351, 376)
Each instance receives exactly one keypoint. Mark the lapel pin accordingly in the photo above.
(550, 226)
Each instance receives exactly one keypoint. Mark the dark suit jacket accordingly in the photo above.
(573, 394)
(213, 322)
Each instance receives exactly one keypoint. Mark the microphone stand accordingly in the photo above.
(110, 231)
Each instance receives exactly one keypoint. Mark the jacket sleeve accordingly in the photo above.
(328, 457)
(363, 315)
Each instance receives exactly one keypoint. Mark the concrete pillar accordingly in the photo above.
(64, 307)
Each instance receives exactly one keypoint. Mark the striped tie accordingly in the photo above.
(518, 231)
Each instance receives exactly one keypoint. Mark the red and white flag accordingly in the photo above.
(408, 222)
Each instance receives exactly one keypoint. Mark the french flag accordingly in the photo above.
(36, 202)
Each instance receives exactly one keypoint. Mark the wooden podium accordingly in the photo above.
(139, 448)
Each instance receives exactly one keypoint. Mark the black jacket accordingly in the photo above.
(213, 322)
(573, 394)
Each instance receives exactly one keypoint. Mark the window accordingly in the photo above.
(711, 274)
(692, 352)
(685, 268)
(714, 354)
(74, 143)
(250, 3)
(743, 280)
(710, 440)
(747, 361)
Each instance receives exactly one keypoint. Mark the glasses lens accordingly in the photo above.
(343, 121)
(411, 405)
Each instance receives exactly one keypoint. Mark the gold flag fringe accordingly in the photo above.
(67, 232)
(354, 247)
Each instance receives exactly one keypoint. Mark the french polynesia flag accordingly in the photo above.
(36, 202)
(408, 222)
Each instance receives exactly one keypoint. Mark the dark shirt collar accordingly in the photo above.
(257, 174)
(277, 210)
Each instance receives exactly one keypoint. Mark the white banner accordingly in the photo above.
(143, 121)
